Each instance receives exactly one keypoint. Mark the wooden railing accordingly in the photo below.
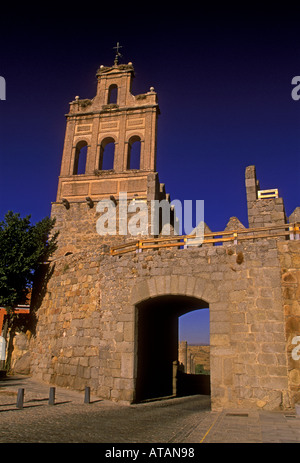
(291, 231)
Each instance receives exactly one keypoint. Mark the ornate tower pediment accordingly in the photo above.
(109, 149)
(113, 119)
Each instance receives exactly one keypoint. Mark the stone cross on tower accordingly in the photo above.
(117, 54)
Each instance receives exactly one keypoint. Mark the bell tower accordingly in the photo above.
(109, 147)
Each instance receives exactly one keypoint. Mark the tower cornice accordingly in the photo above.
(116, 69)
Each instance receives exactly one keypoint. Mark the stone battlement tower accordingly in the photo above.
(109, 147)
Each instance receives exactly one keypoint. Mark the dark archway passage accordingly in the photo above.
(157, 344)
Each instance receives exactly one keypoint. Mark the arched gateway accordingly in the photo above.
(108, 317)
(156, 333)
(157, 371)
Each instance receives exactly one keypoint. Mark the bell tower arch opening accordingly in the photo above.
(113, 94)
(134, 153)
(107, 154)
(158, 372)
(80, 158)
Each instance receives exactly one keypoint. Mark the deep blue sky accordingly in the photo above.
(222, 74)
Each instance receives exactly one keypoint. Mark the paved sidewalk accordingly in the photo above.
(186, 420)
(36, 391)
(249, 426)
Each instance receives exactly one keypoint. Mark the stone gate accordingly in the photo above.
(108, 319)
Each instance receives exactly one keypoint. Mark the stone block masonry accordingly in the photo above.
(265, 212)
(66, 347)
(87, 325)
(289, 255)
(189, 356)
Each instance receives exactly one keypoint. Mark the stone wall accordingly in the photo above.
(191, 355)
(77, 223)
(262, 212)
(289, 254)
(87, 324)
(65, 350)
(20, 359)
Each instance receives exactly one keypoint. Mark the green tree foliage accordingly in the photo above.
(23, 247)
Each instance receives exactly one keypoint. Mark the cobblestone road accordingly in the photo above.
(179, 420)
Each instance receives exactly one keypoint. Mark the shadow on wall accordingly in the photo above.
(23, 329)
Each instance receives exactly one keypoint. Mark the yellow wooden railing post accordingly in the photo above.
(284, 230)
